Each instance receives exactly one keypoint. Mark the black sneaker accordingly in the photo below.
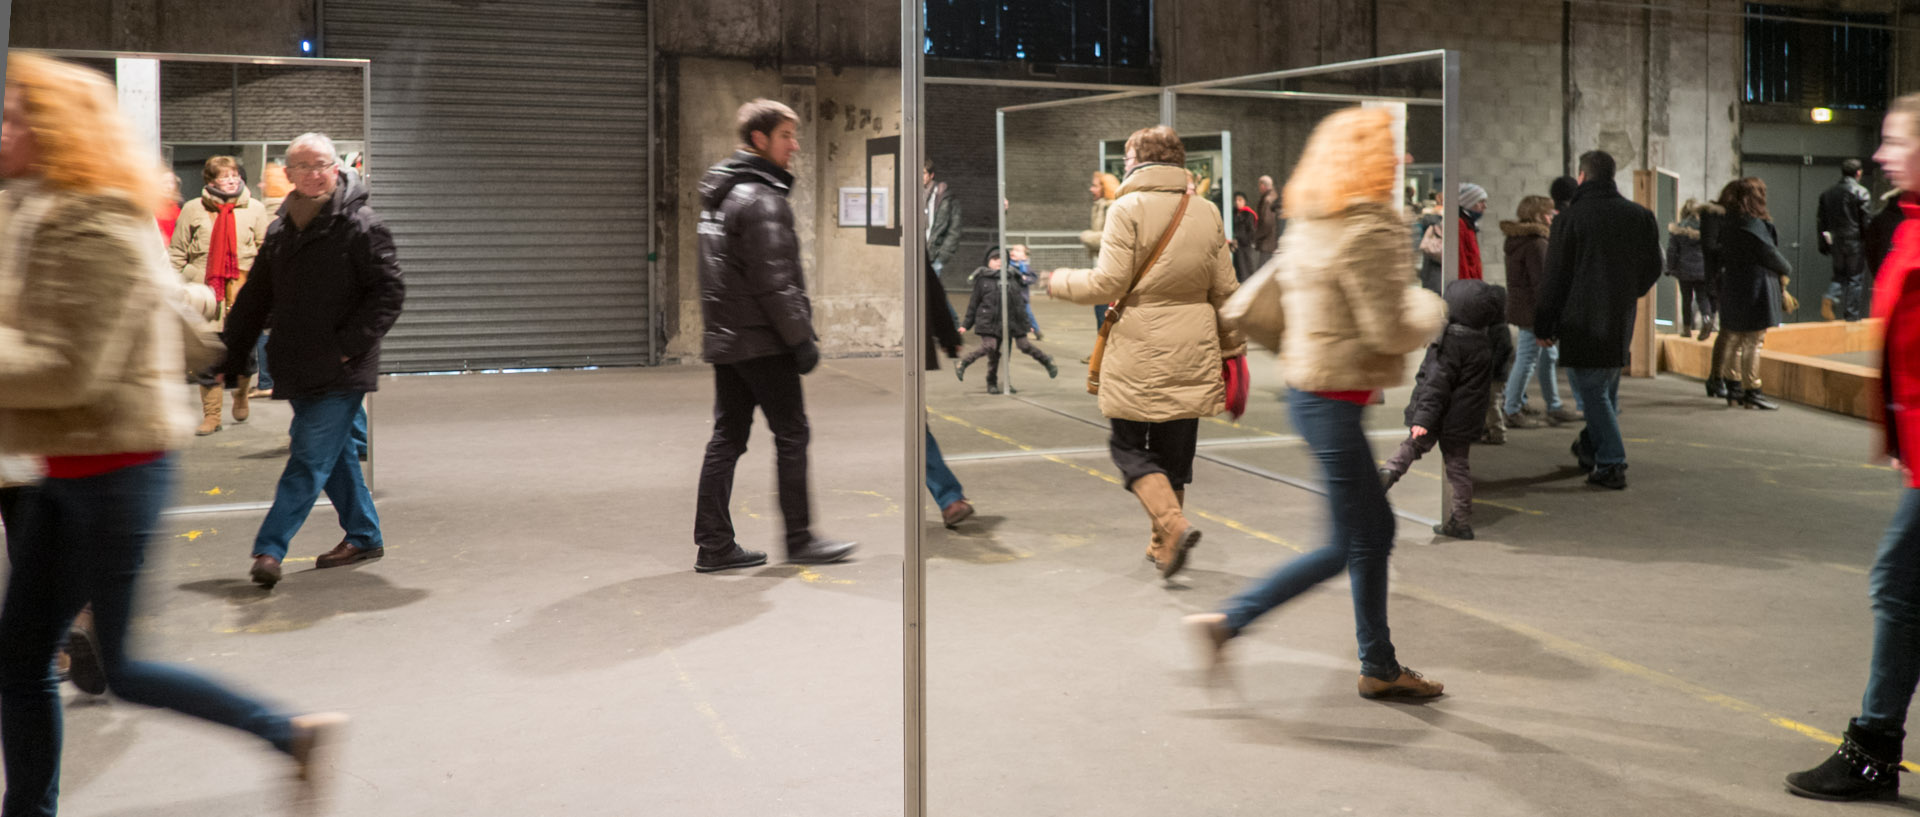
(1052, 370)
(1584, 456)
(732, 557)
(819, 552)
(1609, 476)
(85, 667)
(993, 388)
(1454, 530)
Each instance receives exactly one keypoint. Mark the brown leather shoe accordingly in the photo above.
(956, 513)
(344, 554)
(1410, 684)
(266, 571)
(85, 667)
(315, 750)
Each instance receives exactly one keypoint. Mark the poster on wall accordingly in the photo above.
(858, 210)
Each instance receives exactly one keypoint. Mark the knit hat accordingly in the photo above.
(1471, 194)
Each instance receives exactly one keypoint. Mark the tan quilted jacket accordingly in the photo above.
(1353, 312)
(1163, 358)
(91, 357)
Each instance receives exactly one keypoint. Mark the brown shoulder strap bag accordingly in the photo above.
(1119, 305)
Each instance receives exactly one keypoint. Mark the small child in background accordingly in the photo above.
(1450, 398)
(987, 317)
(1017, 255)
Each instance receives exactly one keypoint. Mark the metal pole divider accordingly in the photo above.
(914, 264)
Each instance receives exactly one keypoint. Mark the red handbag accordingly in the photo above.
(1234, 371)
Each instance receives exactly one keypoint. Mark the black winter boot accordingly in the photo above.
(1865, 767)
(1583, 453)
(1753, 399)
(1735, 394)
(1716, 387)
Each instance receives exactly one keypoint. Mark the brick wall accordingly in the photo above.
(275, 103)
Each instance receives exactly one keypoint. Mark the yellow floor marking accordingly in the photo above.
(808, 575)
(214, 492)
(702, 706)
(1575, 650)
(194, 534)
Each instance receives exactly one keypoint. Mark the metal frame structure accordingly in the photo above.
(913, 84)
(365, 68)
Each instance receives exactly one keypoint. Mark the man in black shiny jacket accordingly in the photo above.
(759, 337)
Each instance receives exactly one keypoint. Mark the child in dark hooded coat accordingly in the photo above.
(1451, 395)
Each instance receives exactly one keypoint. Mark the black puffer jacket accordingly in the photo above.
(329, 291)
(1685, 260)
(752, 294)
(1451, 393)
(983, 310)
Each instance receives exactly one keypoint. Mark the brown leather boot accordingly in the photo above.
(1410, 684)
(210, 407)
(1170, 525)
(240, 409)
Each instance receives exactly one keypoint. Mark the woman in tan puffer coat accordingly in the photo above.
(1161, 371)
(198, 237)
(1353, 314)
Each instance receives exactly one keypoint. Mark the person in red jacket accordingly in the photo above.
(1867, 765)
(1473, 205)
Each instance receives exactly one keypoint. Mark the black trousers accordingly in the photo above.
(12, 502)
(771, 384)
(1696, 297)
(989, 348)
(1140, 449)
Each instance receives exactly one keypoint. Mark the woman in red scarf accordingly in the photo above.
(1867, 765)
(214, 243)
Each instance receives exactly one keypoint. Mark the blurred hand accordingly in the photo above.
(1419, 431)
(1544, 343)
(807, 355)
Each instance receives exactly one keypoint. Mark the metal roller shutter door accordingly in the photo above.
(508, 153)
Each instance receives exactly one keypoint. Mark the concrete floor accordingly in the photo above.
(537, 644)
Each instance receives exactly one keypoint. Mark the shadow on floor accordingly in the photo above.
(307, 597)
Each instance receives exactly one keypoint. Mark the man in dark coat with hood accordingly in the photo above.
(328, 282)
(1451, 395)
(759, 337)
(1603, 255)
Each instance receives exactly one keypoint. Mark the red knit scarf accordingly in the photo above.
(223, 257)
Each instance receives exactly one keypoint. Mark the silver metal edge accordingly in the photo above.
(913, 510)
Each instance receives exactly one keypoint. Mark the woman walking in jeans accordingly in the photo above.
(1352, 316)
(91, 374)
(1867, 765)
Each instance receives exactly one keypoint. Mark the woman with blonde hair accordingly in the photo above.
(91, 382)
(1162, 368)
(218, 236)
(1353, 314)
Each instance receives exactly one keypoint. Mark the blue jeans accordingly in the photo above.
(81, 541)
(1360, 536)
(1528, 358)
(1895, 587)
(360, 439)
(1599, 393)
(260, 357)
(323, 454)
(941, 482)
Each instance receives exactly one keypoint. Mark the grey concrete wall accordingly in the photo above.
(274, 103)
(855, 288)
(253, 27)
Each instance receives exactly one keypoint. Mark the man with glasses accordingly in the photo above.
(328, 283)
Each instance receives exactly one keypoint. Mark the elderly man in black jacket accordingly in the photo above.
(1603, 254)
(759, 337)
(329, 284)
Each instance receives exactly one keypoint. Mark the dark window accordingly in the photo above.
(1068, 32)
(1830, 61)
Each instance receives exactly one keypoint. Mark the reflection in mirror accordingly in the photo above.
(225, 128)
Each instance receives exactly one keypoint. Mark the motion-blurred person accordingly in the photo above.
(1352, 317)
(1106, 188)
(328, 281)
(1867, 765)
(169, 215)
(759, 336)
(1752, 290)
(215, 243)
(1603, 254)
(1164, 264)
(1842, 221)
(988, 317)
(942, 336)
(91, 367)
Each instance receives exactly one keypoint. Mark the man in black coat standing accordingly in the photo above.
(1603, 255)
(1843, 230)
(329, 284)
(759, 337)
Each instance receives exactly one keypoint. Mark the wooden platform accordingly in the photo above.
(1792, 367)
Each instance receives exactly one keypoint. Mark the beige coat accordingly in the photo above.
(91, 357)
(193, 235)
(1162, 360)
(1353, 312)
(1091, 238)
